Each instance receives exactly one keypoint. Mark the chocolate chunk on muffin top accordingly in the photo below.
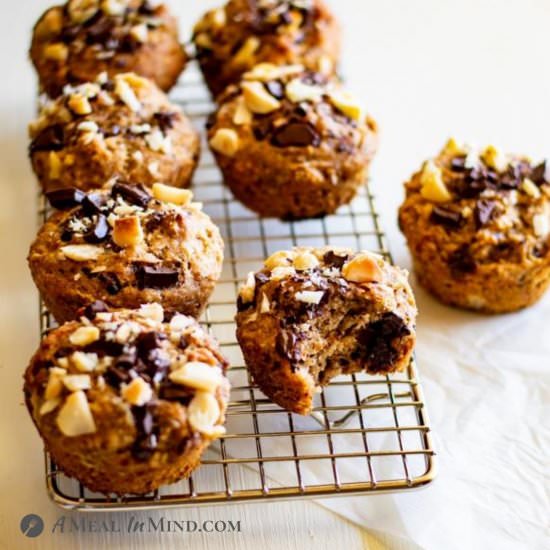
(126, 247)
(127, 400)
(232, 39)
(478, 226)
(74, 42)
(313, 313)
(123, 126)
(291, 143)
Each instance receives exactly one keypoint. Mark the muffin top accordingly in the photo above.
(492, 207)
(299, 287)
(127, 116)
(289, 111)
(244, 33)
(128, 380)
(73, 38)
(122, 239)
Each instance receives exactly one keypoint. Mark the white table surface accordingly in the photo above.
(426, 69)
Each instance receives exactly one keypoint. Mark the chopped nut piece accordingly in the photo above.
(305, 260)
(247, 290)
(541, 225)
(364, 268)
(258, 99)
(127, 232)
(54, 165)
(126, 94)
(530, 188)
(247, 51)
(82, 252)
(494, 158)
(75, 382)
(75, 417)
(157, 141)
(218, 18)
(140, 128)
(155, 312)
(298, 91)
(265, 306)
(198, 375)
(79, 104)
(56, 52)
(174, 195)
(346, 103)
(114, 7)
(282, 273)
(83, 336)
(268, 71)
(279, 259)
(310, 296)
(242, 114)
(137, 392)
(84, 362)
(49, 405)
(88, 126)
(433, 186)
(225, 142)
(203, 412)
(453, 148)
(81, 10)
(54, 387)
(139, 32)
(203, 40)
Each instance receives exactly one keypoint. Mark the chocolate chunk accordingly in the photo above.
(165, 121)
(146, 8)
(127, 359)
(461, 262)
(104, 348)
(275, 88)
(92, 203)
(296, 134)
(154, 221)
(100, 31)
(446, 216)
(63, 199)
(484, 211)
(539, 174)
(458, 164)
(335, 260)
(176, 392)
(286, 345)
(148, 341)
(128, 44)
(110, 281)
(376, 341)
(147, 433)
(69, 33)
(99, 231)
(91, 310)
(133, 194)
(116, 376)
(49, 139)
(149, 276)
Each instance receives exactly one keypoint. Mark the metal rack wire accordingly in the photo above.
(366, 433)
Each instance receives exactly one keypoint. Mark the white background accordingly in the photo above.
(426, 69)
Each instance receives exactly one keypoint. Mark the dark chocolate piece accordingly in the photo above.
(446, 216)
(99, 231)
(92, 203)
(461, 262)
(99, 306)
(275, 88)
(296, 134)
(165, 121)
(133, 194)
(63, 199)
(149, 276)
(484, 211)
(49, 139)
(335, 260)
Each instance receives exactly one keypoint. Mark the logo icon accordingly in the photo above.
(31, 525)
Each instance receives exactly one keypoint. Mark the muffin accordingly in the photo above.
(75, 42)
(125, 402)
(125, 127)
(126, 247)
(478, 227)
(314, 313)
(231, 40)
(291, 143)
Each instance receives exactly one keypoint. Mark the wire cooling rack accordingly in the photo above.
(366, 434)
